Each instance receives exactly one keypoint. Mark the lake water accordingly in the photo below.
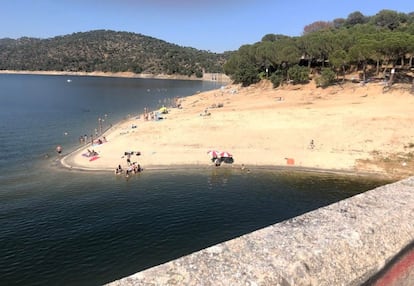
(61, 227)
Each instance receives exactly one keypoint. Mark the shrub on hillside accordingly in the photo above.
(326, 78)
(276, 79)
(298, 74)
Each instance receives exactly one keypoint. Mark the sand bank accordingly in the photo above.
(354, 128)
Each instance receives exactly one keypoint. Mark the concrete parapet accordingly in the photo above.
(345, 243)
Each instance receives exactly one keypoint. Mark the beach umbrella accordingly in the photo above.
(163, 110)
(213, 153)
(225, 155)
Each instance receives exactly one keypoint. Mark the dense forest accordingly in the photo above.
(374, 46)
(107, 51)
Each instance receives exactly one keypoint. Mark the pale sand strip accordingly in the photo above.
(262, 126)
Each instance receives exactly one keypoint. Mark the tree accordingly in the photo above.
(339, 23)
(410, 41)
(355, 18)
(317, 26)
(387, 19)
(361, 52)
(395, 46)
(289, 52)
(273, 37)
(264, 54)
(242, 67)
(339, 59)
(247, 74)
(320, 45)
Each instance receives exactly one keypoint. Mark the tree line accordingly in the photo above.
(370, 45)
(107, 51)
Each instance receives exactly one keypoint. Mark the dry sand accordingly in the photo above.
(355, 129)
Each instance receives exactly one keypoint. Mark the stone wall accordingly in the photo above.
(346, 243)
(219, 77)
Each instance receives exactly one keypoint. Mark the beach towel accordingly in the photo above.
(93, 158)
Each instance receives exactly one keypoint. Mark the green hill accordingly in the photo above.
(107, 51)
(374, 47)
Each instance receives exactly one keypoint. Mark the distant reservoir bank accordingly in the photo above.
(217, 77)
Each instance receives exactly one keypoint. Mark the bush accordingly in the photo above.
(263, 75)
(247, 74)
(326, 78)
(298, 74)
(276, 79)
(199, 74)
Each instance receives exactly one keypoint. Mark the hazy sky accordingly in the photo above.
(215, 25)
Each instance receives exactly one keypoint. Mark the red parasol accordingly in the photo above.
(213, 153)
(225, 155)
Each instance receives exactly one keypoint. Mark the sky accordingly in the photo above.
(214, 25)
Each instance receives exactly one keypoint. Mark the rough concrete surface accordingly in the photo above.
(345, 243)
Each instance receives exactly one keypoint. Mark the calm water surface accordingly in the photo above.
(60, 227)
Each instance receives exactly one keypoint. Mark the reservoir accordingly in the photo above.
(87, 228)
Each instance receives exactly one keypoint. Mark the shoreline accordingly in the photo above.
(75, 166)
(355, 129)
(238, 167)
(255, 168)
(206, 77)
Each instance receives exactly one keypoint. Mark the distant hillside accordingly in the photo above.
(107, 51)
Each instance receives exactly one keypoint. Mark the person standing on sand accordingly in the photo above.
(145, 114)
(312, 144)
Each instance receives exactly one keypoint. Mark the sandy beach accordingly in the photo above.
(354, 128)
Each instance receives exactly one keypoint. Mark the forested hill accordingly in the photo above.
(107, 51)
(374, 46)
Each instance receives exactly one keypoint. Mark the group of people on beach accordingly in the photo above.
(100, 141)
(85, 139)
(132, 167)
(91, 153)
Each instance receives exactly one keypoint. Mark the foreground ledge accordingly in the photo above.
(346, 243)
